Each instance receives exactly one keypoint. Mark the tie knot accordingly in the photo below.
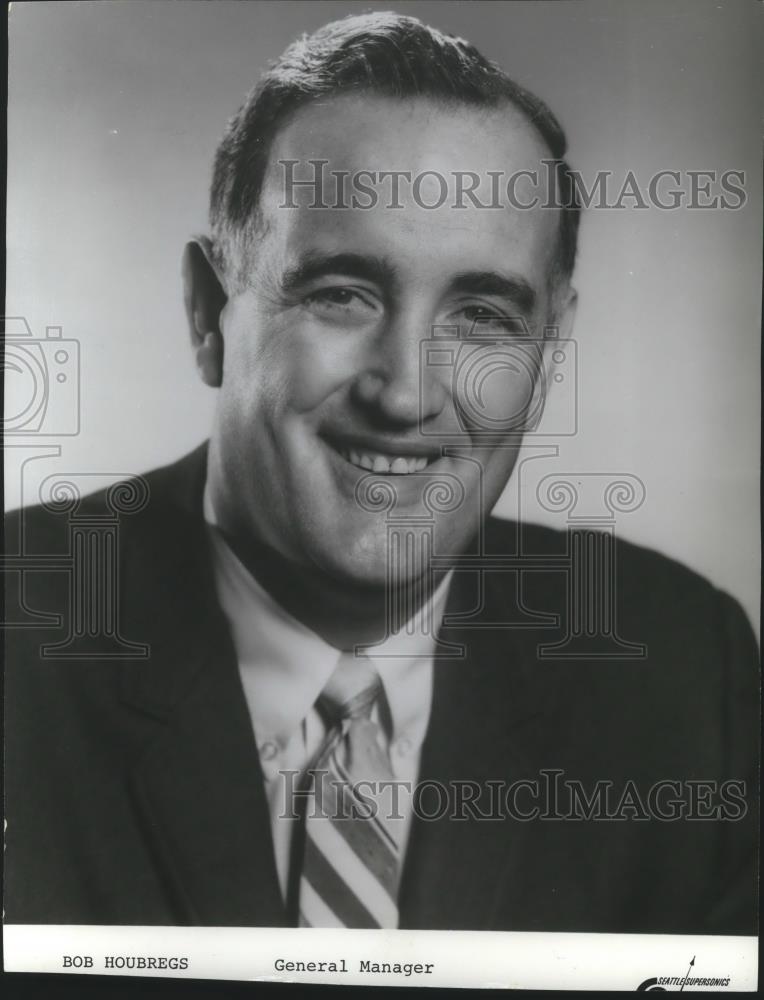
(352, 689)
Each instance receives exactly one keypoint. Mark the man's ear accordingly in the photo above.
(204, 297)
(565, 311)
(563, 314)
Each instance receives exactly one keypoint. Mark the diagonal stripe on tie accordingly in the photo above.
(376, 818)
(354, 873)
(328, 883)
(318, 913)
(366, 840)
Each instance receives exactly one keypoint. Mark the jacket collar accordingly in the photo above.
(489, 723)
(198, 782)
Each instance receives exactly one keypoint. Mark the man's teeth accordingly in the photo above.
(374, 462)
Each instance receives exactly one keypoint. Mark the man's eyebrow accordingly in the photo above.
(314, 264)
(515, 289)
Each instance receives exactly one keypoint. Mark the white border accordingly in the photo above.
(487, 959)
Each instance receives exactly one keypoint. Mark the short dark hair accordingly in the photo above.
(384, 54)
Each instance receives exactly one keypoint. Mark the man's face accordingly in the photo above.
(328, 425)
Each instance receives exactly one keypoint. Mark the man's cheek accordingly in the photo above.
(315, 373)
(494, 387)
(260, 378)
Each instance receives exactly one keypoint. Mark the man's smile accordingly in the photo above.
(396, 465)
(384, 456)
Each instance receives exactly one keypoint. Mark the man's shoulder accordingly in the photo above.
(539, 545)
(641, 584)
(160, 495)
(626, 634)
(137, 539)
(105, 581)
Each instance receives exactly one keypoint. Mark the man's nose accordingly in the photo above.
(394, 382)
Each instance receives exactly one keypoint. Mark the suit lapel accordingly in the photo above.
(201, 791)
(489, 718)
(197, 780)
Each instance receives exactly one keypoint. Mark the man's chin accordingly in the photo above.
(375, 564)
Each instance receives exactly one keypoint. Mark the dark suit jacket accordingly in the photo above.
(134, 792)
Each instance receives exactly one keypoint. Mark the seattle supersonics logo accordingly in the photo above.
(664, 983)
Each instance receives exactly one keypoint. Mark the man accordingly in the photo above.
(323, 597)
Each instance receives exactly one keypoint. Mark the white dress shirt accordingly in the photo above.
(284, 666)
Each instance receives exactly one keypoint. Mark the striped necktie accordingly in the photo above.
(351, 858)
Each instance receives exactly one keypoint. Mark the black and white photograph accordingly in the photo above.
(382, 453)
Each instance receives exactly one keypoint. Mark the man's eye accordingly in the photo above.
(483, 320)
(335, 296)
(340, 298)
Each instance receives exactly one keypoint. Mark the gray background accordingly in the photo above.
(115, 111)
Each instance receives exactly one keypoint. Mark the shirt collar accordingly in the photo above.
(284, 665)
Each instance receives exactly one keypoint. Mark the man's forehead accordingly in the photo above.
(380, 134)
(358, 149)
(419, 246)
